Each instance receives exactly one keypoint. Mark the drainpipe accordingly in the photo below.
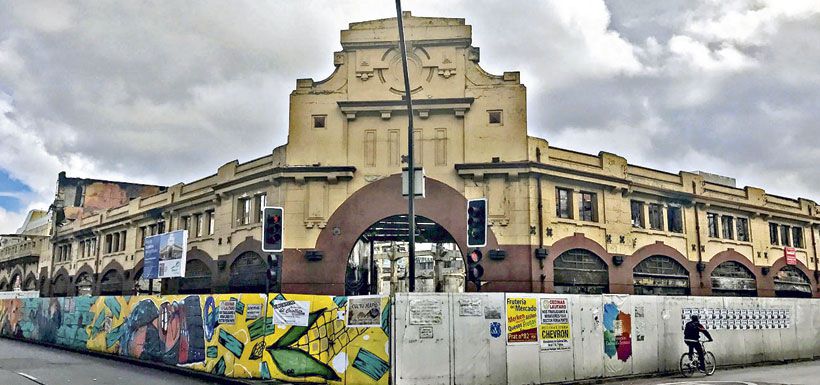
(540, 218)
(697, 236)
(814, 247)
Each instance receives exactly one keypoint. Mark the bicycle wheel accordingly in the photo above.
(687, 365)
(710, 363)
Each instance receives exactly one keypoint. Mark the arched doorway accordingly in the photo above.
(660, 275)
(248, 274)
(197, 278)
(60, 286)
(111, 283)
(143, 285)
(580, 271)
(378, 262)
(83, 284)
(732, 279)
(791, 282)
(30, 284)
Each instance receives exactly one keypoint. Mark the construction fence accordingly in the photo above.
(430, 338)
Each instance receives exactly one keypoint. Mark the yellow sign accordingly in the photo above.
(522, 320)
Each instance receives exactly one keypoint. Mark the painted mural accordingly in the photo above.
(226, 334)
(617, 332)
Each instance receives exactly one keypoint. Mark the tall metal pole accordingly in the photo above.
(411, 178)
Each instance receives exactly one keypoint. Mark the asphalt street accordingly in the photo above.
(24, 363)
(806, 372)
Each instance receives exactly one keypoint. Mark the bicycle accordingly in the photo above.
(688, 364)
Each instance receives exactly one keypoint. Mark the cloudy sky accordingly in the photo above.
(163, 92)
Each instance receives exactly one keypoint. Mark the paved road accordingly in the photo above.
(54, 366)
(807, 373)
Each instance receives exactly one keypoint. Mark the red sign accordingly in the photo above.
(791, 255)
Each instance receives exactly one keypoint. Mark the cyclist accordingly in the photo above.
(691, 336)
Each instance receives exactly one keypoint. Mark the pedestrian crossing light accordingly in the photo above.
(274, 271)
(272, 230)
(474, 268)
(477, 222)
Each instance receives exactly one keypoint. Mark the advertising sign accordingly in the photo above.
(364, 312)
(227, 312)
(165, 255)
(291, 312)
(791, 255)
(522, 320)
(554, 329)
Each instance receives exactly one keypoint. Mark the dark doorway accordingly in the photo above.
(248, 274)
(580, 271)
(111, 283)
(660, 275)
(791, 282)
(197, 278)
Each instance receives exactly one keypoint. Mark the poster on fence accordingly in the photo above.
(554, 329)
(364, 312)
(291, 312)
(522, 320)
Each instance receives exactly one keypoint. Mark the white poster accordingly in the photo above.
(555, 324)
(425, 312)
(227, 313)
(364, 311)
(173, 249)
(253, 312)
(470, 307)
(291, 312)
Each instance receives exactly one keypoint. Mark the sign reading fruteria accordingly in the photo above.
(522, 320)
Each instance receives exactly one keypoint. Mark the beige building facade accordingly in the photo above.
(560, 221)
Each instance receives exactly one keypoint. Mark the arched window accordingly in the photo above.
(580, 271)
(731, 278)
(111, 283)
(248, 274)
(791, 282)
(660, 275)
(197, 278)
(83, 284)
(31, 284)
(60, 286)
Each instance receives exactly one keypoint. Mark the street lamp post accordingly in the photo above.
(411, 179)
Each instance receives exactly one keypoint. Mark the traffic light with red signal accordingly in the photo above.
(474, 268)
(273, 230)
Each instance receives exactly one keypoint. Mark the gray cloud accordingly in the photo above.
(163, 92)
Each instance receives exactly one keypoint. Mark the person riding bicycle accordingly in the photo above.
(691, 336)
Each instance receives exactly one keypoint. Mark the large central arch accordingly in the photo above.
(373, 202)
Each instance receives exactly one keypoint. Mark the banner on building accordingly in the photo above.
(554, 328)
(791, 255)
(522, 320)
(291, 312)
(364, 311)
(165, 255)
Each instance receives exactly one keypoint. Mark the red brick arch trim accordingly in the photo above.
(781, 263)
(732, 255)
(84, 269)
(659, 248)
(368, 205)
(579, 241)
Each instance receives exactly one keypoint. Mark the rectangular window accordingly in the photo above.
(319, 121)
(773, 237)
(186, 223)
(655, 216)
(116, 246)
(211, 219)
(244, 211)
(743, 229)
(261, 202)
(563, 203)
(109, 240)
(123, 236)
(797, 237)
(637, 214)
(142, 234)
(587, 210)
(160, 227)
(200, 225)
(713, 225)
(494, 116)
(674, 219)
(728, 224)
(93, 246)
(784, 235)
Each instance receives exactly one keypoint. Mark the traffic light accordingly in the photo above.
(273, 230)
(274, 272)
(474, 268)
(477, 222)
